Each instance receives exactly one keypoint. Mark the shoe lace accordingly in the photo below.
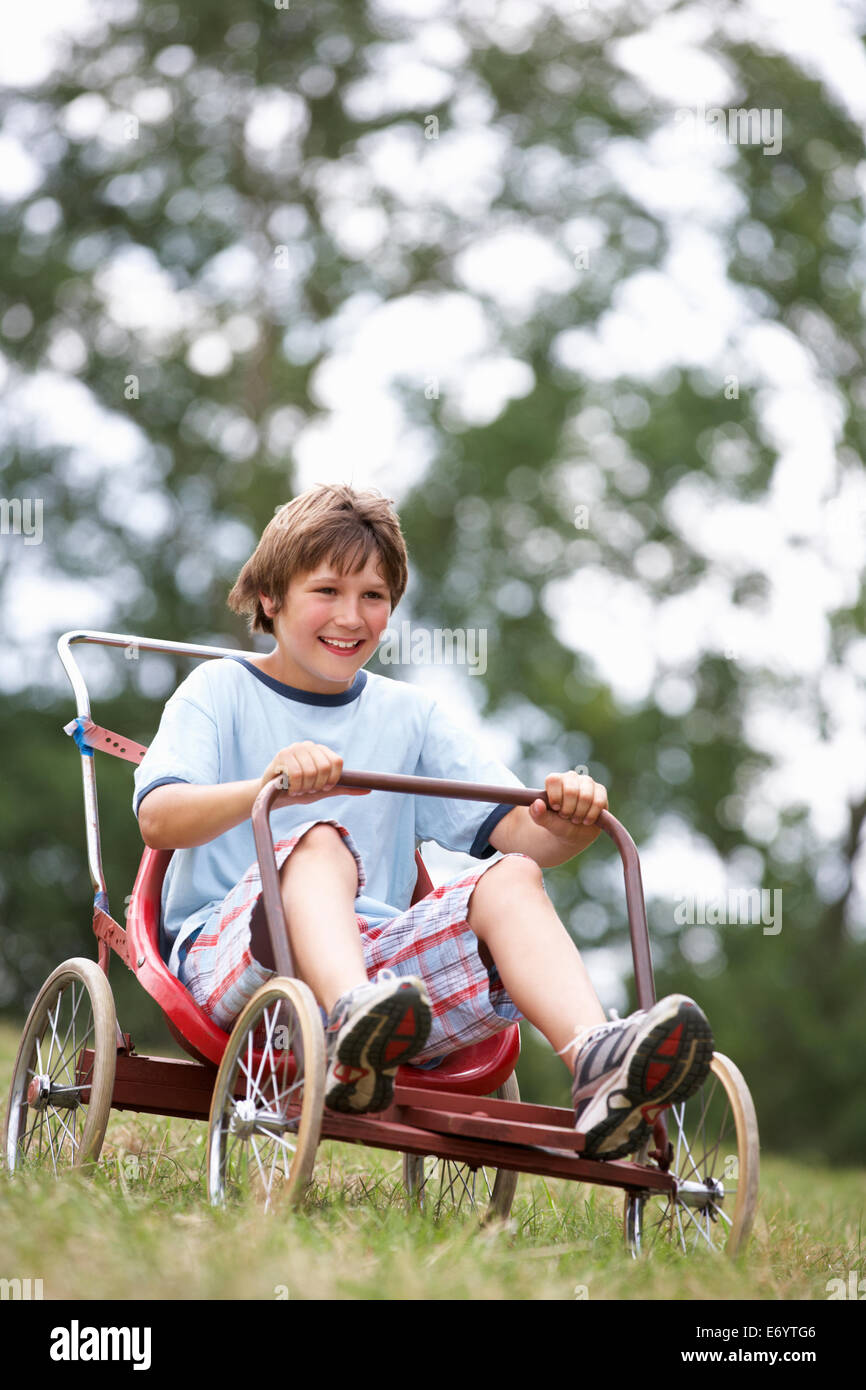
(580, 1035)
(599, 1029)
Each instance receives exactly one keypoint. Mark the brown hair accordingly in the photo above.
(329, 522)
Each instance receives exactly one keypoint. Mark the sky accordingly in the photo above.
(808, 534)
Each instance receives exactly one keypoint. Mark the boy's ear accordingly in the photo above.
(267, 604)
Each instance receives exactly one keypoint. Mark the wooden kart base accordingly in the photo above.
(480, 1131)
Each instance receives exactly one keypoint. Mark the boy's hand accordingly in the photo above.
(575, 801)
(313, 772)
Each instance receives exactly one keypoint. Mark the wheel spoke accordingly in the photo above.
(678, 1210)
(704, 1166)
(276, 1069)
(262, 1057)
(254, 1089)
(52, 1021)
(695, 1168)
(458, 1170)
(24, 1139)
(699, 1126)
(699, 1230)
(285, 1144)
(473, 1179)
(29, 1133)
(255, 1149)
(275, 1155)
(71, 1028)
(66, 1131)
(51, 1146)
(447, 1168)
(280, 1102)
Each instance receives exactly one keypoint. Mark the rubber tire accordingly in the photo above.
(310, 1089)
(99, 1026)
(649, 1218)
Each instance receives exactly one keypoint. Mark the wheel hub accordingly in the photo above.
(243, 1120)
(709, 1193)
(43, 1092)
(247, 1120)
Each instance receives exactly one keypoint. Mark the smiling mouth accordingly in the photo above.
(335, 645)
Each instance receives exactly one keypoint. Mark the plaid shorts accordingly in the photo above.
(432, 939)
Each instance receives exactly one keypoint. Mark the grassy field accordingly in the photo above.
(141, 1227)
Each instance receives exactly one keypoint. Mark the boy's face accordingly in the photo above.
(329, 625)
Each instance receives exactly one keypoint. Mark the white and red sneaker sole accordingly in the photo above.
(668, 1061)
(376, 1039)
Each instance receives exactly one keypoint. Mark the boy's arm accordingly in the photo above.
(552, 837)
(183, 815)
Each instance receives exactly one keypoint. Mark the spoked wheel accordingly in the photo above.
(266, 1113)
(63, 1078)
(715, 1143)
(442, 1186)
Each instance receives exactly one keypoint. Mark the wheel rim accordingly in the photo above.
(265, 1118)
(715, 1160)
(64, 1073)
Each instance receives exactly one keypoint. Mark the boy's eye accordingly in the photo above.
(329, 589)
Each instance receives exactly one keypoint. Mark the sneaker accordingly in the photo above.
(628, 1071)
(370, 1032)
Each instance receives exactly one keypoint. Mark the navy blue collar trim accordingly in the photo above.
(306, 697)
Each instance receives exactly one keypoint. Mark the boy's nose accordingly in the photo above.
(349, 616)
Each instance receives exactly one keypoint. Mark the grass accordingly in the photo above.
(141, 1227)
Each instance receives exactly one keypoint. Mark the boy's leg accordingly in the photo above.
(372, 1027)
(625, 1072)
(318, 883)
(538, 963)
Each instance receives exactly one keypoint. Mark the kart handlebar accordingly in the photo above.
(274, 795)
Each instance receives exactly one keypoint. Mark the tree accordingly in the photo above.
(222, 194)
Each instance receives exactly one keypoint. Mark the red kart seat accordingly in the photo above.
(475, 1070)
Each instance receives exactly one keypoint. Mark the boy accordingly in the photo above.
(467, 960)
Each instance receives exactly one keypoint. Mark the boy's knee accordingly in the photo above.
(322, 835)
(513, 870)
(513, 874)
(324, 840)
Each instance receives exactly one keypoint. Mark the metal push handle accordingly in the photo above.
(82, 709)
(274, 795)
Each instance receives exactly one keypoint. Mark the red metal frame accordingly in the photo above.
(446, 1112)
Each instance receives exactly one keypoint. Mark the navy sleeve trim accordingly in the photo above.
(481, 848)
(160, 782)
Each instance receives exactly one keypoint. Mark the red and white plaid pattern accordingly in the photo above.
(433, 940)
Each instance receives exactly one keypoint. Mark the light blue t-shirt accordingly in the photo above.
(227, 721)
